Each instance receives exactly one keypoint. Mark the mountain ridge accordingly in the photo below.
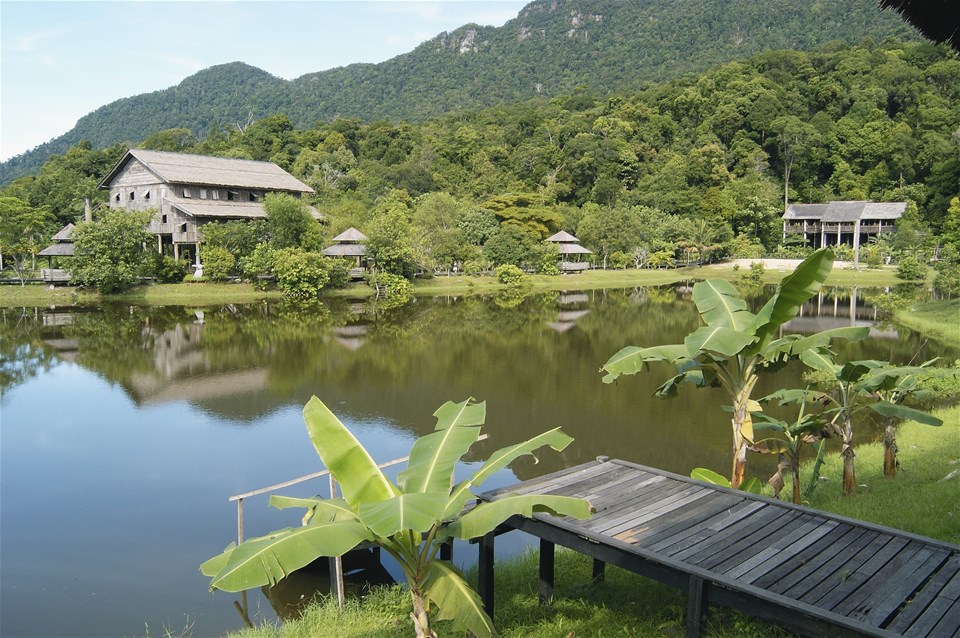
(552, 47)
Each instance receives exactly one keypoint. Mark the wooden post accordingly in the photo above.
(599, 571)
(696, 607)
(547, 557)
(485, 572)
(239, 521)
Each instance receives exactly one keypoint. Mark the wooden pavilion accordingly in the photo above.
(349, 244)
(62, 246)
(570, 252)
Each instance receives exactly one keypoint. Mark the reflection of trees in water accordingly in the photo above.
(22, 354)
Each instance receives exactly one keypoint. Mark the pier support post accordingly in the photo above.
(547, 558)
(485, 572)
(599, 571)
(696, 607)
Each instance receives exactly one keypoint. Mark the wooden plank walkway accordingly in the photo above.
(813, 572)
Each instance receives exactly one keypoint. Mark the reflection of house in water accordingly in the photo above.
(571, 309)
(351, 336)
(182, 371)
(827, 311)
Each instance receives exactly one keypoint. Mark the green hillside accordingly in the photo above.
(551, 48)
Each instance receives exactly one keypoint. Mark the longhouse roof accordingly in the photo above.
(836, 212)
(183, 168)
(228, 210)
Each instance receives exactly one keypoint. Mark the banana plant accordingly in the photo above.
(409, 519)
(808, 428)
(859, 385)
(734, 345)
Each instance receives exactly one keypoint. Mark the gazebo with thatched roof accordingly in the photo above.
(348, 244)
(62, 246)
(570, 252)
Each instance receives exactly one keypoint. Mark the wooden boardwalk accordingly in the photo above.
(816, 573)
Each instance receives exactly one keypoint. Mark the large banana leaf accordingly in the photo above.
(898, 411)
(499, 460)
(486, 516)
(819, 359)
(456, 600)
(265, 560)
(433, 457)
(803, 283)
(334, 509)
(720, 305)
(361, 481)
(631, 360)
(417, 512)
(720, 340)
(794, 345)
(464, 413)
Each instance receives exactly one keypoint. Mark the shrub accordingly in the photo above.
(510, 275)
(476, 267)
(300, 274)
(109, 252)
(339, 272)
(257, 266)
(911, 269)
(619, 260)
(167, 270)
(218, 263)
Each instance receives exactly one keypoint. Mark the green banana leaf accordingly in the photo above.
(717, 339)
(631, 360)
(898, 411)
(818, 359)
(720, 305)
(265, 560)
(456, 600)
(434, 456)
(709, 476)
(417, 512)
(464, 413)
(361, 481)
(335, 509)
(486, 516)
(460, 494)
(796, 288)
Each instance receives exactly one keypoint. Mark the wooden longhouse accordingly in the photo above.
(835, 223)
(188, 191)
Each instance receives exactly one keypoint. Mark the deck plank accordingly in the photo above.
(912, 611)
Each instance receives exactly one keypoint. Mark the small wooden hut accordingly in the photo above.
(571, 252)
(62, 246)
(349, 244)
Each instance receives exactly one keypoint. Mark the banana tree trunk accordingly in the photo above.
(796, 478)
(742, 435)
(849, 471)
(890, 450)
(421, 619)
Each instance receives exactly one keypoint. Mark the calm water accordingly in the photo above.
(125, 429)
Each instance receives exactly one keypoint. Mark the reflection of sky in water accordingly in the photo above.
(113, 492)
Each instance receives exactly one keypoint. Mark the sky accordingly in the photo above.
(62, 60)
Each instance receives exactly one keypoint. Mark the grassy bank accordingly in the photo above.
(211, 293)
(920, 500)
(938, 320)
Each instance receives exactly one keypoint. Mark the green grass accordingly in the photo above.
(938, 320)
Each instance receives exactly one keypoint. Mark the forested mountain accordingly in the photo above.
(551, 48)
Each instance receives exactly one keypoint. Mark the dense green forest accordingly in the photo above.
(552, 47)
(696, 164)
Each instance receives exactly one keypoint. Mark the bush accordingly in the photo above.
(947, 280)
(398, 288)
(510, 275)
(257, 266)
(911, 269)
(549, 269)
(619, 260)
(300, 274)
(167, 270)
(476, 267)
(108, 253)
(339, 272)
(218, 263)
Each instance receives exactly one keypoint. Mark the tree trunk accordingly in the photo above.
(741, 421)
(421, 620)
(890, 450)
(849, 471)
(796, 481)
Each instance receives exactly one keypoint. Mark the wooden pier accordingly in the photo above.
(812, 572)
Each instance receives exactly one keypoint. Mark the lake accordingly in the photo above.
(125, 428)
